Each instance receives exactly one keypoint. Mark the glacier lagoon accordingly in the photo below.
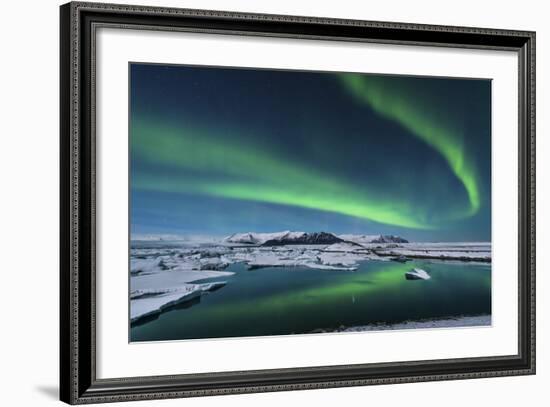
(349, 291)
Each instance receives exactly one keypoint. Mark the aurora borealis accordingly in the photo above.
(216, 151)
(401, 104)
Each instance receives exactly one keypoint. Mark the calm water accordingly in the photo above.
(279, 301)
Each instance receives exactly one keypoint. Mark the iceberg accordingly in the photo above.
(147, 303)
(151, 294)
(417, 274)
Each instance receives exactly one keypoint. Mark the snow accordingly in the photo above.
(345, 259)
(443, 251)
(154, 292)
(172, 279)
(311, 258)
(260, 238)
(343, 255)
(174, 238)
(346, 247)
(455, 322)
(163, 274)
(144, 266)
(155, 301)
(464, 251)
(321, 266)
(365, 239)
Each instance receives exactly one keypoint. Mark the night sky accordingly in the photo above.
(214, 151)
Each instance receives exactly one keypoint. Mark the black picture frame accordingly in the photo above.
(78, 381)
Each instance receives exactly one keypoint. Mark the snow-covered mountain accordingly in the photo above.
(283, 238)
(257, 238)
(304, 238)
(289, 238)
(364, 239)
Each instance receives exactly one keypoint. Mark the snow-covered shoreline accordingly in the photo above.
(455, 322)
(479, 252)
(165, 273)
(288, 250)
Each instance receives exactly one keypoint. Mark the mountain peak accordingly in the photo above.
(294, 238)
(283, 238)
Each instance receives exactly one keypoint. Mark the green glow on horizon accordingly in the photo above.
(405, 107)
(247, 172)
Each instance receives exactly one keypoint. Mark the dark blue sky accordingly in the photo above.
(218, 150)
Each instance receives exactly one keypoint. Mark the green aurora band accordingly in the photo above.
(251, 173)
(227, 169)
(403, 106)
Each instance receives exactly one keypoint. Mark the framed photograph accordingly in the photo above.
(255, 203)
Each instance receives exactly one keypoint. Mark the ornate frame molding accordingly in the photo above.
(78, 380)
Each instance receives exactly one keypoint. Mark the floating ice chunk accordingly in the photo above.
(146, 266)
(417, 274)
(346, 247)
(329, 267)
(159, 300)
(172, 279)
